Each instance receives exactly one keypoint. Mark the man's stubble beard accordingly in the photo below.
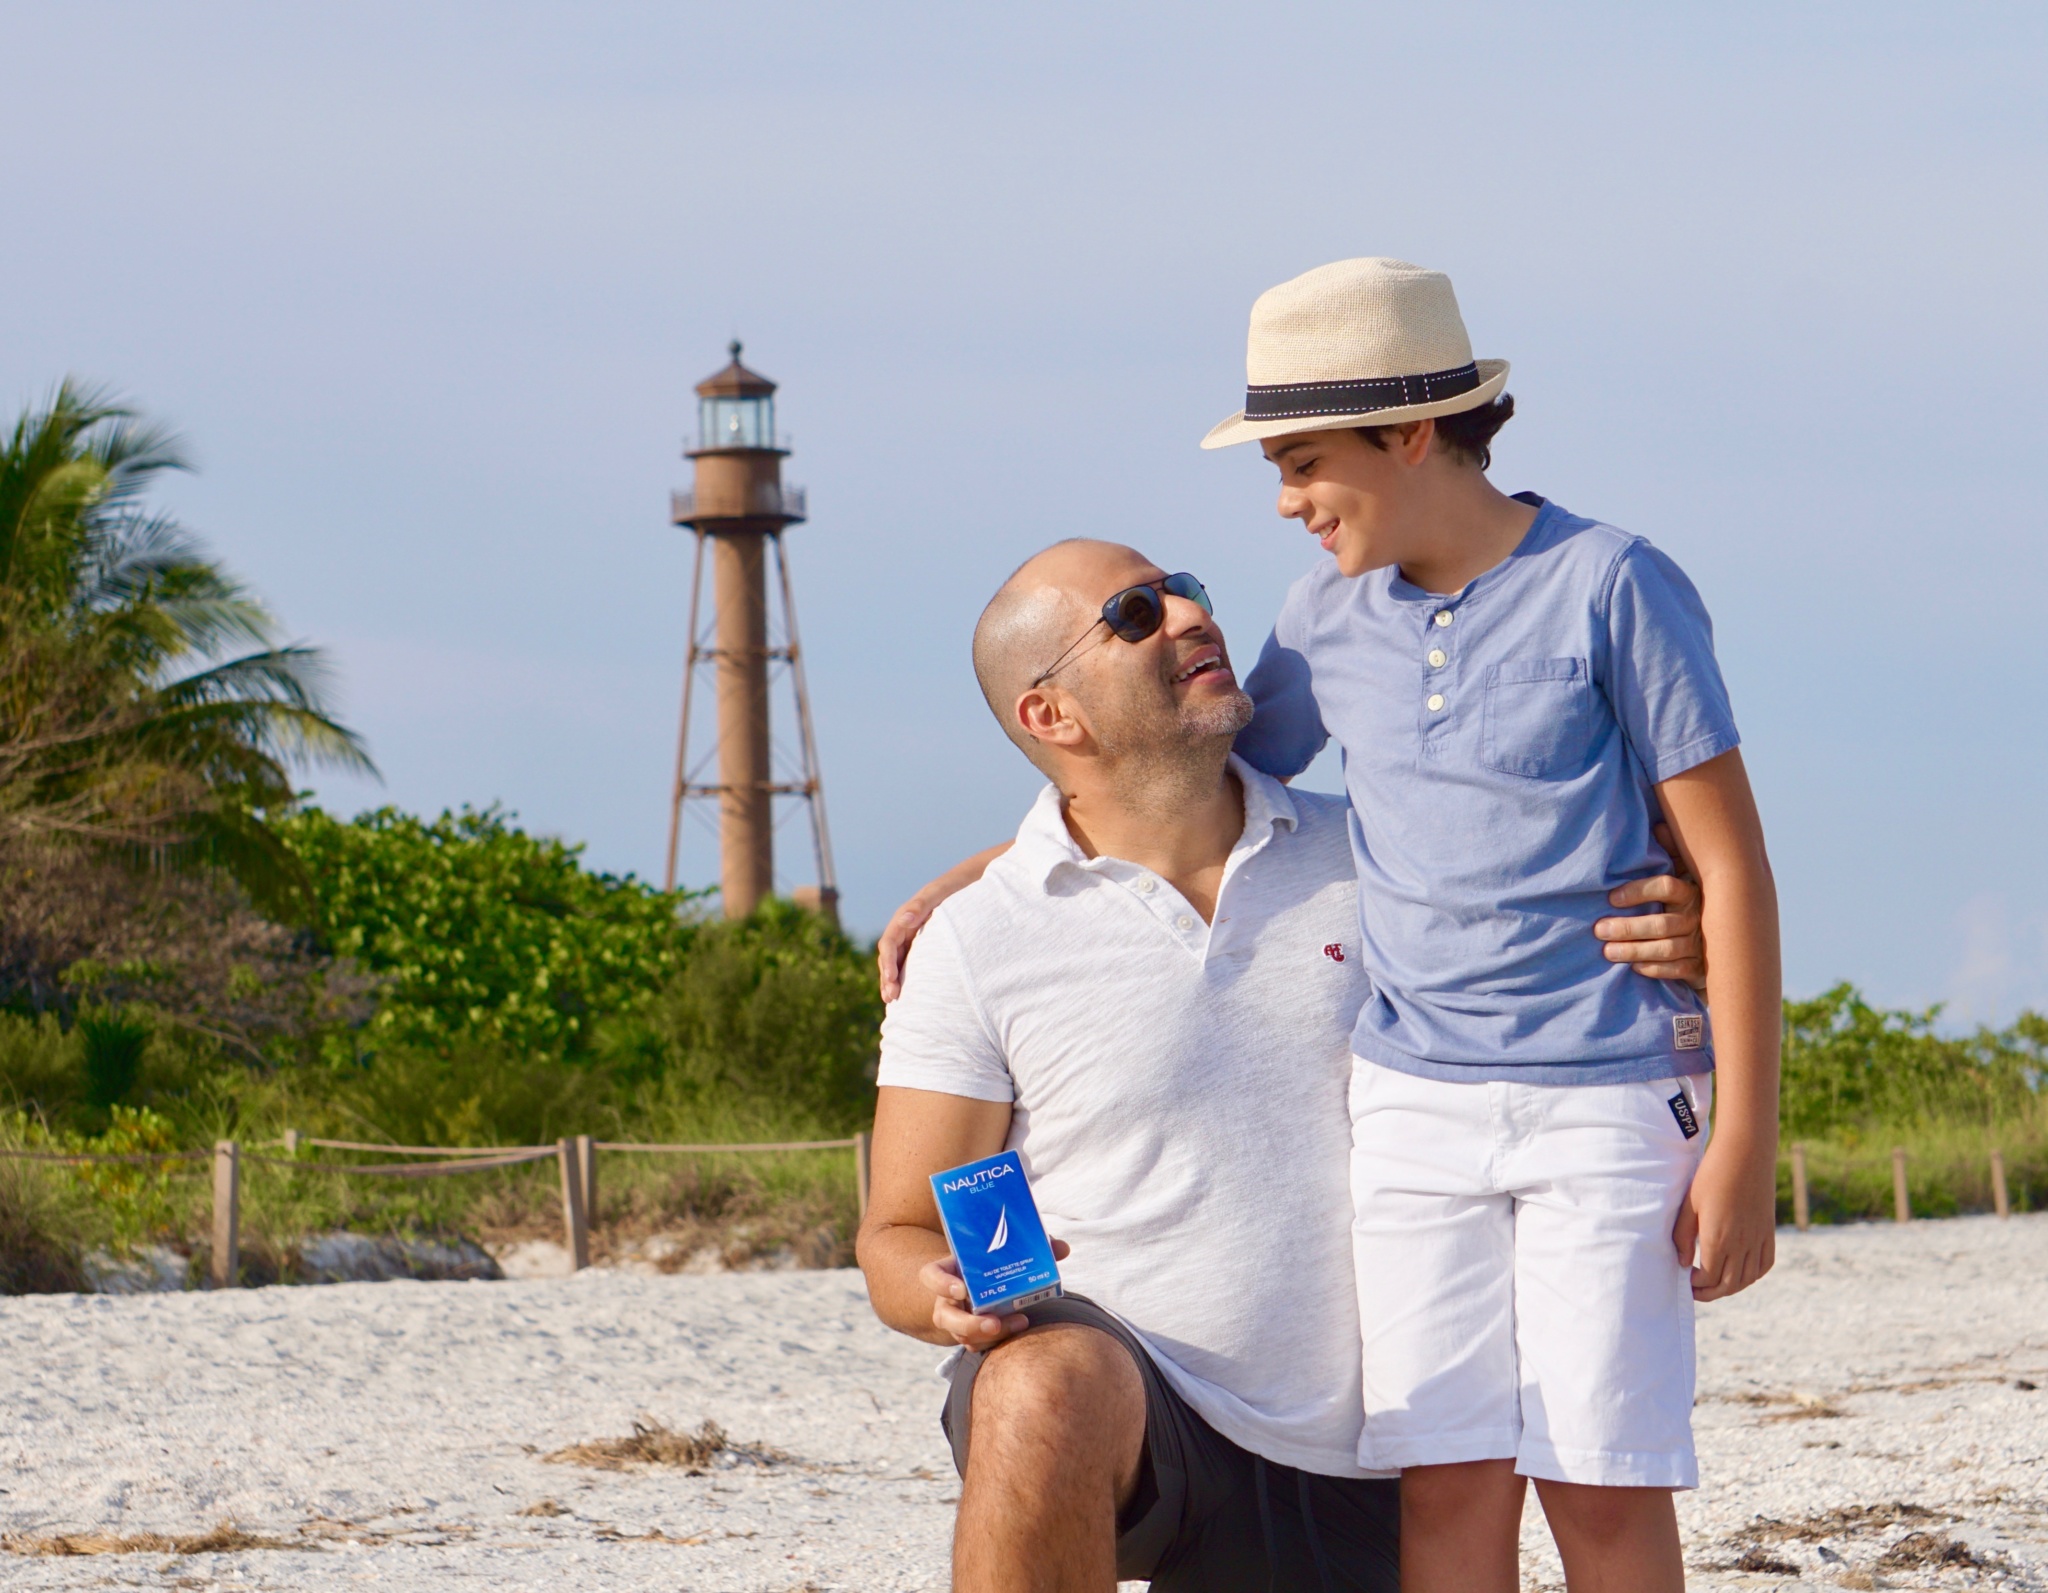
(1162, 763)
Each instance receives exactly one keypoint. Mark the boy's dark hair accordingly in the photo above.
(1468, 434)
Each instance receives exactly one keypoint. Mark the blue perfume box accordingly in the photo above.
(992, 1224)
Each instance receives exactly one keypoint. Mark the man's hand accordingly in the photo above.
(1666, 945)
(949, 1305)
(1727, 1229)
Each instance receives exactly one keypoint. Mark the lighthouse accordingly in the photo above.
(739, 508)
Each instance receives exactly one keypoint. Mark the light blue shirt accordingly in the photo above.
(1500, 748)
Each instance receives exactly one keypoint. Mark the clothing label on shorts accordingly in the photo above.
(1688, 1031)
(1681, 1108)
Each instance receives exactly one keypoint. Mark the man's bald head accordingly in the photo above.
(1033, 618)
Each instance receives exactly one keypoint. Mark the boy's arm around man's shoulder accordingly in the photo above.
(1287, 729)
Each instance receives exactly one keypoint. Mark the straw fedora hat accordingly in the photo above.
(1359, 343)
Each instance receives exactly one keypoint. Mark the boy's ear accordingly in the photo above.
(1412, 440)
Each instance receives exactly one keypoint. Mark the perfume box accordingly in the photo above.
(992, 1224)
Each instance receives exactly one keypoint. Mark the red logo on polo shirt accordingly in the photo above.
(1334, 951)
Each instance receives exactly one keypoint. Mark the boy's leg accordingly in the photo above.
(1461, 1528)
(1433, 1244)
(1603, 1318)
(1433, 1240)
(1613, 1540)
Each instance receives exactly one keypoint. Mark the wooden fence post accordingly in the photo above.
(586, 1165)
(1802, 1210)
(291, 1142)
(2001, 1202)
(863, 1158)
(574, 1222)
(1902, 1202)
(227, 1213)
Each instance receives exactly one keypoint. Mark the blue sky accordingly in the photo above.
(428, 287)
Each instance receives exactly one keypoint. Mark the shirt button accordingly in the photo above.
(1443, 616)
(1185, 922)
(1147, 885)
(1438, 658)
(1436, 702)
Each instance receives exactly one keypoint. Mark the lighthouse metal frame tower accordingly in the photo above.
(739, 509)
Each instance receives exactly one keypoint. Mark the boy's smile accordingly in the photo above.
(1338, 485)
(1411, 502)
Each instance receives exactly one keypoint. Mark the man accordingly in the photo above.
(1150, 996)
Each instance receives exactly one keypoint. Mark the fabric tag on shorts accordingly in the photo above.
(1681, 1108)
(1688, 1031)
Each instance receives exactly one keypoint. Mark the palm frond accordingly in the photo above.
(108, 733)
(274, 699)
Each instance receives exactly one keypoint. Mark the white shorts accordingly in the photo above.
(1520, 1294)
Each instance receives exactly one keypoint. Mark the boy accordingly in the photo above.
(1529, 1122)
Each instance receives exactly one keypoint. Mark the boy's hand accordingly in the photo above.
(893, 949)
(950, 1315)
(1727, 1228)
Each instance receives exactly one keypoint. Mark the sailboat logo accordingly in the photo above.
(1002, 1235)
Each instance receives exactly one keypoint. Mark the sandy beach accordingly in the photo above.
(1865, 1420)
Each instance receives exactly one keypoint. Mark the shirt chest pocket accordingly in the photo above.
(1543, 719)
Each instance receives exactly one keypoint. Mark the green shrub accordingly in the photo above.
(1849, 1063)
(1860, 1080)
(42, 1067)
(483, 933)
(36, 1252)
(479, 1095)
(779, 1010)
(113, 1042)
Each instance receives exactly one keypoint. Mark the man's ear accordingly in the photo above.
(1048, 715)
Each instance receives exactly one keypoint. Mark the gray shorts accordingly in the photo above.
(1209, 1516)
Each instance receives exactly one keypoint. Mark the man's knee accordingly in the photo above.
(1062, 1381)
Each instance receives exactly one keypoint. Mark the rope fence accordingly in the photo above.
(469, 1164)
(576, 1155)
(1902, 1197)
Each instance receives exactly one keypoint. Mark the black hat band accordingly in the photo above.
(1292, 400)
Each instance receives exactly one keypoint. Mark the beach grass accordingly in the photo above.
(1948, 1168)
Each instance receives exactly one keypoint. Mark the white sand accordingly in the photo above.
(392, 1432)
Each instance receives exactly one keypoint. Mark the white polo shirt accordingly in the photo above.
(1179, 1098)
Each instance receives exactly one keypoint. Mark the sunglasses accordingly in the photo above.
(1137, 612)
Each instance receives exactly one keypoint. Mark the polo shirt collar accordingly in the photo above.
(1045, 844)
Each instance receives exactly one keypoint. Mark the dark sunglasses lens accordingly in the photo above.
(1186, 586)
(1134, 614)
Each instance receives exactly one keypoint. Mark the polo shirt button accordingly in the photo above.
(1146, 885)
(1436, 702)
(1438, 658)
(1185, 922)
(1443, 616)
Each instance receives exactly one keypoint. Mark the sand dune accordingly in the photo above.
(1862, 1423)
